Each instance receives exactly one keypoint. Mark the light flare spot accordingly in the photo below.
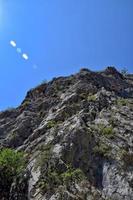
(13, 43)
(35, 66)
(19, 50)
(25, 56)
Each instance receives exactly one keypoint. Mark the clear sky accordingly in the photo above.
(58, 37)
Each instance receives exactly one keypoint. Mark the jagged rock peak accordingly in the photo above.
(113, 71)
(84, 70)
(110, 79)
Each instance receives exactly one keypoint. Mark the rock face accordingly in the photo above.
(77, 133)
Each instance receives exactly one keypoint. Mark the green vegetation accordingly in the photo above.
(11, 162)
(107, 131)
(53, 179)
(122, 102)
(49, 182)
(51, 124)
(45, 155)
(92, 98)
(82, 95)
(14, 134)
(26, 103)
(113, 122)
(72, 175)
(104, 130)
(102, 149)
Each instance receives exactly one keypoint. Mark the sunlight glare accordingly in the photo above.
(13, 43)
(25, 56)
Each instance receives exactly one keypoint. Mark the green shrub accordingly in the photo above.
(92, 98)
(72, 175)
(102, 149)
(106, 130)
(51, 124)
(12, 164)
(122, 102)
(52, 179)
(26, 103)
(113, 122)
(83, 96)
(45, 155)
(11, 161)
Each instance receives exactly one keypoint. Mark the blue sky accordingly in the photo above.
(60, 37)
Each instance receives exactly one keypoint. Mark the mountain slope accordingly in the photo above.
(77, 133)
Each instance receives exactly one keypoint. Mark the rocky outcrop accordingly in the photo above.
(77, 135)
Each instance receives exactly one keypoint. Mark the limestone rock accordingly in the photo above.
(77, 135)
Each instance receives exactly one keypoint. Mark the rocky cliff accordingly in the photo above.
(77, 135)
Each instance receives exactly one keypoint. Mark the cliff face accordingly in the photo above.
(77, 133)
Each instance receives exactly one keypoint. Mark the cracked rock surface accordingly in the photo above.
(77, 133)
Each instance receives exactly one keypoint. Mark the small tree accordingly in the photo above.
(12, 163)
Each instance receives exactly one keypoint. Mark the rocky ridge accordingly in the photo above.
(77, 133)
